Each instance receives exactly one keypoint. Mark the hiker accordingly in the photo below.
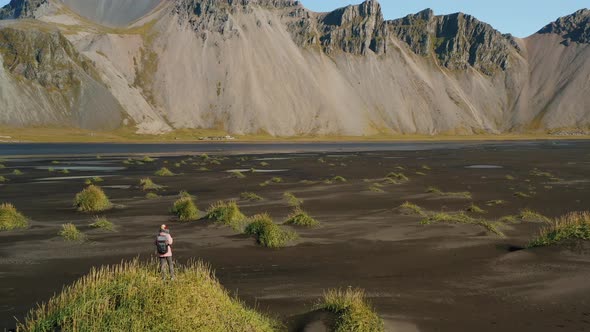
(164, 249)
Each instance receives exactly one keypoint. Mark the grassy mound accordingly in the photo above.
(436, 191)
(132, 297)
(301, 218)
(185, 209)
(352, 311)
(103, 223)
(147, 184)
(292, 200)
(460, 218)
(411, 209)
(92, 199)
(475, 209)
(11, 219)
(164, 172)
(573, 226)
(69, 232)
(227, 213)
(267, 233)
(248, 196)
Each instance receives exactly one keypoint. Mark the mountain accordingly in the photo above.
(274, 67)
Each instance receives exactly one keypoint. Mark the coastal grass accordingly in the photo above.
(146, 184)
(336, 179)
(11, 218)
(436, 191)
(3, 179)
(411, 209)
(237, 175)
(353, 312)
(103, 223)
(132, 297)
(70, 232)
(475, 209)
(572, 226)
(460, 218)
(185, 208)
(92, 199)
(17, 172)
(249, 196)
(292, 200)
(267, 233)
(398, 177)
(164, 172)
(300, 218)
(151, 196)
(227, 213)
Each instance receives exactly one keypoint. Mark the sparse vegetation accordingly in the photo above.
(227, 213)
(276, 179)
(132, 297)
(147, 184)
(301, 218)
(532, 216)
(103, 223)
(17, 172)
(148, 159)
(69, 232)
(151, 196)
(335, 179)
(264, 164)
(237, 175)
(573, 226)
(520, 194)
(11, 219)
(495, 202)
(185, 208)
(376, 188)
(436, 191)
(398, 176)
(292, 200)
(352, 311)
(92, 199)
(475, 209)
(510, 177)
(460, 218)
(267, 233)
(65, 171)
(164, 172)
(3, 179)
(248, 196)
(411, 208)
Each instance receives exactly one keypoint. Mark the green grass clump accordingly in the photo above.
(237, 175)
(151, 196)
(495, 202)
(164, 172)
(264, 164)
(147, 184)
(2, 166)
(510, 177)
(185, 209)
(55, 162)
(411, 208)
(11, 219)
(460, 218)
(65, 171)
(267, 233)
(352, 311)
(51, 169)
(92, 199)
(398, 176)
(336, 179)
(132, 297)
(292, 200)
(539, 173)
(147, 159)
(376, 188)
(3, 179)
(69, 232)
(532, 216)
(436, 191)
(17, 172)
(301, 218)
(520, 194)
(573, 226)
(227, 213)
(475, 209)
(103, 223)
(276, 179)
(248, 196)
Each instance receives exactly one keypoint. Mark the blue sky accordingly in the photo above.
(518, 17)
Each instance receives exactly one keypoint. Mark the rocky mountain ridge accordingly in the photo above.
(272, 66)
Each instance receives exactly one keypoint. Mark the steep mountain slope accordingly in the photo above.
(272, 66)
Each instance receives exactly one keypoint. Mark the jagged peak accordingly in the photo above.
(573, 28)
(16, 9)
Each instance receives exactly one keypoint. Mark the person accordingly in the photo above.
(164, 249)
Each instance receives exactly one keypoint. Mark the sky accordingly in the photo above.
(518, 17)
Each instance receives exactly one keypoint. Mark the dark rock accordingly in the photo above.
(20, 9)
(573, 28)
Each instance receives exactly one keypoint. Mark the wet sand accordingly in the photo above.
(419, 277)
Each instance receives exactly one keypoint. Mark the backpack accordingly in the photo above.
(161, 244)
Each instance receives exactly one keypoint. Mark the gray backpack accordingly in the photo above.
(161, 244)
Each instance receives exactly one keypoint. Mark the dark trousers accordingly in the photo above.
(163, 261)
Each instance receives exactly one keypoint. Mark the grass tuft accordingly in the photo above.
(237, 175)
(436, 191)
(17, 172)
(3, 179)
(151, 196)
(69, 232)
(227, 213)
(148, 159)
(92, 199)
(411, 208)
(301, 218)
(475, 209)
(103, 223)
(164, 172)
(532, 216)
(248, 196)
(11, 219)
(460, 218)
(397, 176)
(132, 297)
(267, 233)
(292, 200)
(573, 226)
(185, 209)
(147, 184)
(352, 311)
